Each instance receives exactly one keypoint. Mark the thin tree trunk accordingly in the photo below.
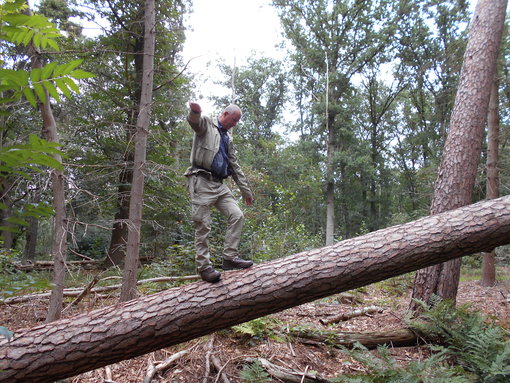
(330, 180)
(59, 243)
(128, 290)
(118, 243)
(6, 212)
(31, 240)
(111, 334)
(31, 233)
(330, 188)
(489, 259)
(461, 154)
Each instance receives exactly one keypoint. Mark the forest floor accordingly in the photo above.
(232, 347)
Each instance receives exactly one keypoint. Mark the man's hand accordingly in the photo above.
(195, 108)
(248, 201)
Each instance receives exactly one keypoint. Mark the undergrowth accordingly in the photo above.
(472, 348)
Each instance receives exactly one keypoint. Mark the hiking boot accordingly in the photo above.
(210, 275)
(236, 263)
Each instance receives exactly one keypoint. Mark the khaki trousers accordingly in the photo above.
(204, 195)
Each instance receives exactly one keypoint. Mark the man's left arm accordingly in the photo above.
(238, 176)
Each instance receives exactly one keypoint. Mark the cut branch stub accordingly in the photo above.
(68, 347)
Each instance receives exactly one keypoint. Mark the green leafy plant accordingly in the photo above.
(383, 368)
(478, 345)
(34, 30)
(254, 373)
(472, 349)
(257, 329)
(14, 282)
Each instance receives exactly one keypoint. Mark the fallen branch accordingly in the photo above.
(352, 314)
(47, 265)
(393, 337)
(75, 292)
(287, 374)
(85, 292)
(208, 359)
(217, 365)
(153, 369)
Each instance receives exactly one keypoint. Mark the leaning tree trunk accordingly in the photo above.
(492, 190)
(142, 126)
(461, 154)
(101, 337)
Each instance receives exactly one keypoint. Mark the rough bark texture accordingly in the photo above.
(461, 154)
(59, 240)
(71, 346)
(489, 258)
(400, 337)
(142, 127)
(119, 239)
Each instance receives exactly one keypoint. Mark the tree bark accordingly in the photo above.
(400, 337)
(128, 290)
(59, 240)
(119, 238)
(101, 337)
(461, 154)
(489, 258)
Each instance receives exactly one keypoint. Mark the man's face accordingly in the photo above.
(229, 120)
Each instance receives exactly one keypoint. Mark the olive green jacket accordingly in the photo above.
(206, 143)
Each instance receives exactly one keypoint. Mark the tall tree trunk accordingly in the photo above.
(461, 154)
(330, 183)
(489, 259)
(6, 212)
(111, 334)
(59, 240)
(59, 243)
(117, 249)
(31, 233)
(31, 240)
(119, 238)
(142, 126)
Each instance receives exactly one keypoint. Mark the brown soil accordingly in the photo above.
(232, 348)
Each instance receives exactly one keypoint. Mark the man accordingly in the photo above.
(213, 159)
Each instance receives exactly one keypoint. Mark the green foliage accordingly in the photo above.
(257, 329)
(38, 152)
(478, 344)
(383, 368)
(474, 350)
(37, 31)
(16, 282)
(254, 373)
(399, 285)
(21, 29)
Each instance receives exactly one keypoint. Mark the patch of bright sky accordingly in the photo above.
(228, 30)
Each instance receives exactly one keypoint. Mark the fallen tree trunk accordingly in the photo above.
(400, 337)
(101, 337)
(76, 292)
(49, 265)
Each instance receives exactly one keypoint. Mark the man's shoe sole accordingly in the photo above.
(228, 268)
